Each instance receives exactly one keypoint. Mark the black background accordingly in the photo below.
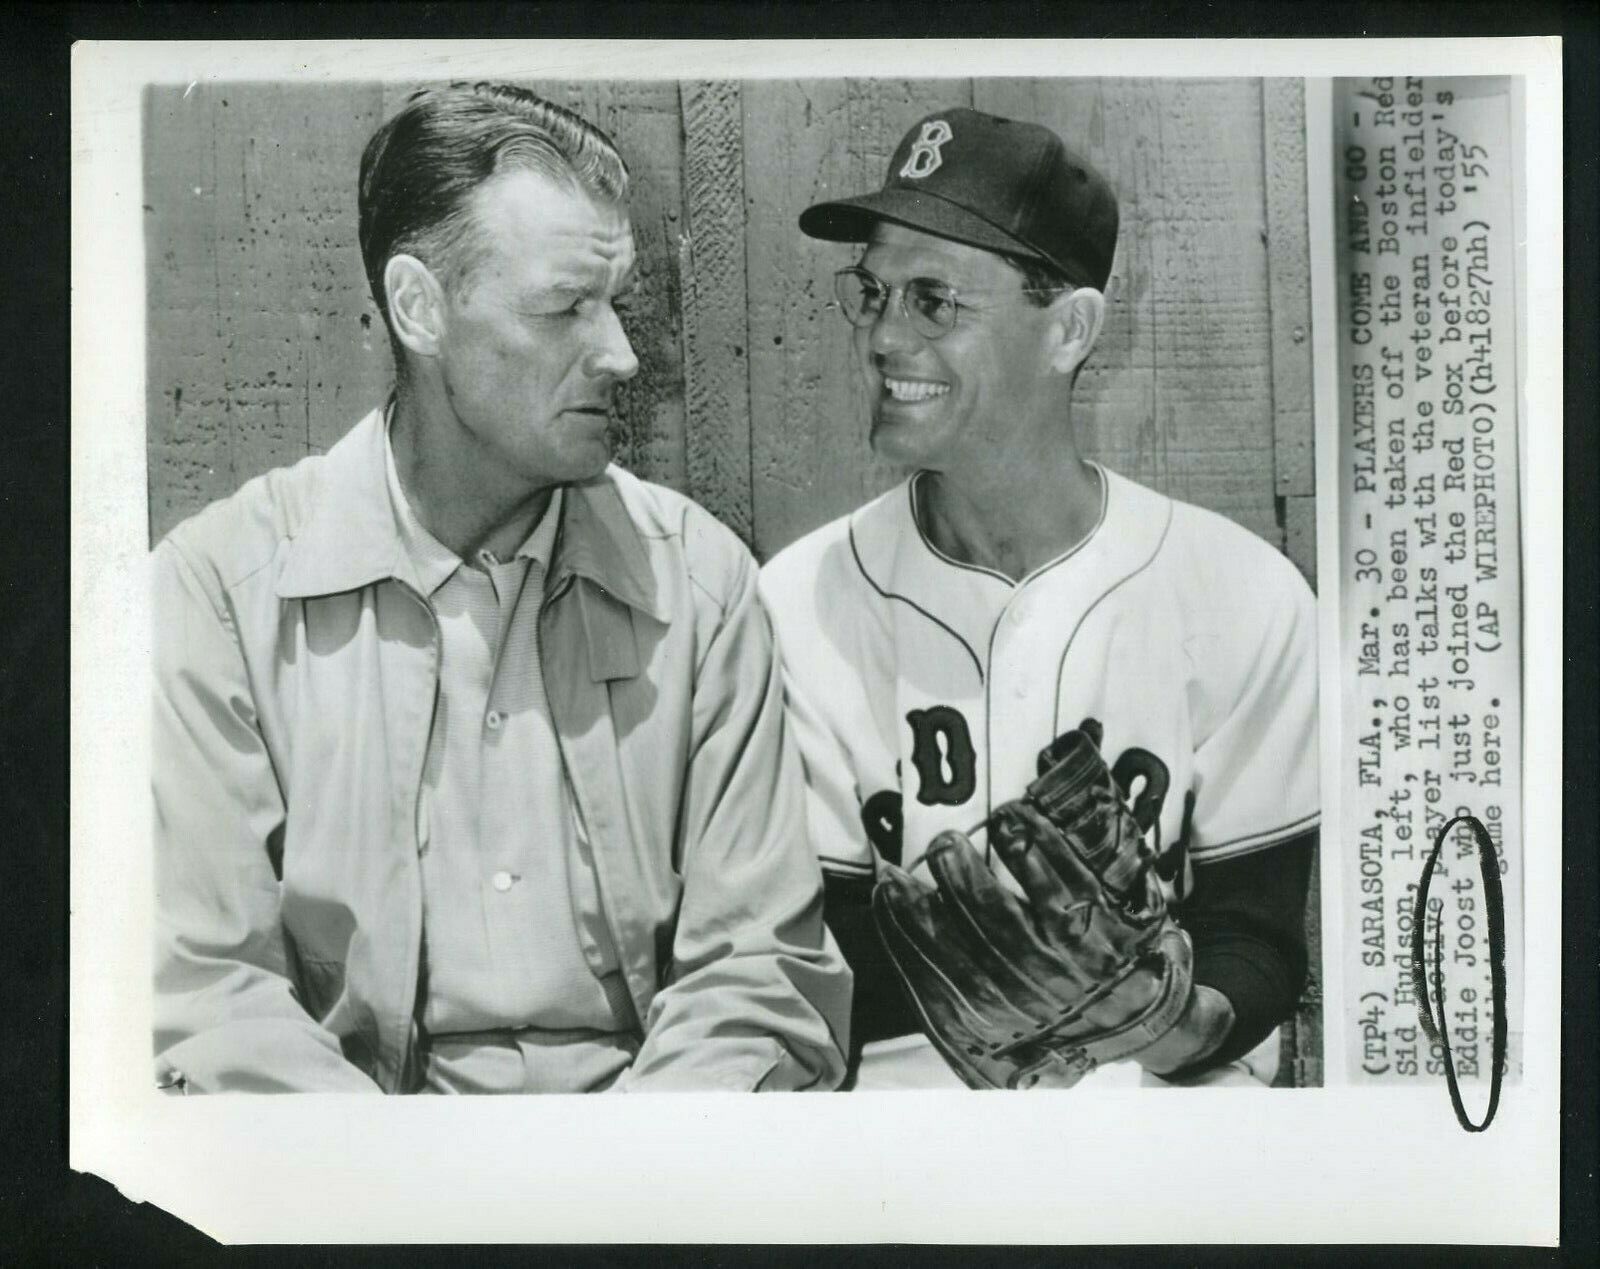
(49, 1215)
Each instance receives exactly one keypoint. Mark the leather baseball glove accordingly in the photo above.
(1087, 967)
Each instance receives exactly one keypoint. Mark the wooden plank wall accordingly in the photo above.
(264, 344)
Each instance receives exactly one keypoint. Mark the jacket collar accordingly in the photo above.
(599, 540)
(352, 538)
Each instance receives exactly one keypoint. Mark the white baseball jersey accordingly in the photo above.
(922, 689)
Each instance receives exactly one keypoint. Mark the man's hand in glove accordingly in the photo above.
(1086, 967)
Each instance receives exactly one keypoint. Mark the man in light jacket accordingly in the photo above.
(471, 770)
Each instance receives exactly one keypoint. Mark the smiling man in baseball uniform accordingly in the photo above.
(1012, 592)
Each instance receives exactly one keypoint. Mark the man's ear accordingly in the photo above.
(1082, 314)
(416, 304)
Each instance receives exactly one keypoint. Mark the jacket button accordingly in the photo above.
(502, 881)
(494, 719)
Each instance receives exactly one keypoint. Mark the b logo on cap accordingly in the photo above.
(925, 157)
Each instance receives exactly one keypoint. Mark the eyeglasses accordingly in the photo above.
(931, 306)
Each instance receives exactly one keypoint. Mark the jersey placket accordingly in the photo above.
(1020, 704)
(1065, 660)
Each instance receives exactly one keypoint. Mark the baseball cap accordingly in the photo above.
(994, 183)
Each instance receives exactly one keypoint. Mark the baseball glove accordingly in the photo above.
(1088, 967)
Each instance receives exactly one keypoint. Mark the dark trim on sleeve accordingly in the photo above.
(1252, 842)
(879, 1009)
(1246, 916)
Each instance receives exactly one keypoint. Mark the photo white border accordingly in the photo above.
(1329, 1165)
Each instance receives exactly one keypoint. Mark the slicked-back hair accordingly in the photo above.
(421, 168)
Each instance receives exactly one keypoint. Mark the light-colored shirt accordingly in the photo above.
(296, 670)
(521, 990)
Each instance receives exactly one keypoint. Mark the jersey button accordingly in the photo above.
(494, 719)
(502, 881)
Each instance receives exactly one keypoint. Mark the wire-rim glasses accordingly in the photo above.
(931, 306)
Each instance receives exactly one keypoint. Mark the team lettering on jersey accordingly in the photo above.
(946, 775)
(884, 819)
(947, 766)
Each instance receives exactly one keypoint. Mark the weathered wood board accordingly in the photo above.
(265, 344)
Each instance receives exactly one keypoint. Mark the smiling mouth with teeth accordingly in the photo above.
(914, 389)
